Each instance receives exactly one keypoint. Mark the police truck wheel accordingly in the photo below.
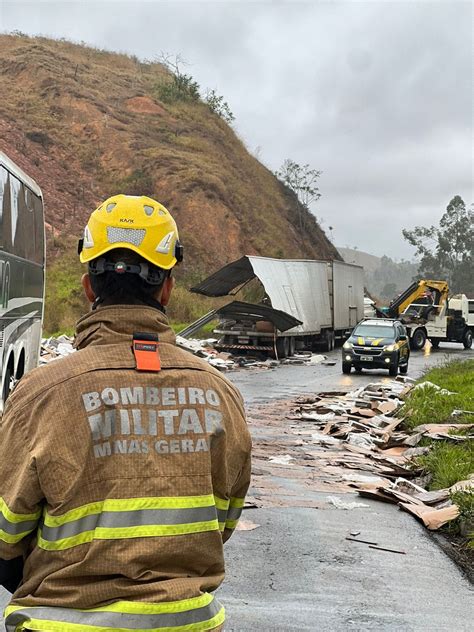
(404, 369)
(467, 339)
(346, 368)
(393, 370)
(418, 340)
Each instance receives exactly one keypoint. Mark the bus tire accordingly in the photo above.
(7, 380)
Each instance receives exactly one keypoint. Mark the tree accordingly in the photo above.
(220, 107)
(302, 181)
(447, 251)
(178, 86)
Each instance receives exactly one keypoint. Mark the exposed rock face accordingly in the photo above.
(87, 124)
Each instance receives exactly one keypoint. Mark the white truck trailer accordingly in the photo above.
(323, 300)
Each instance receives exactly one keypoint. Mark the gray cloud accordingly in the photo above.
(377, 95)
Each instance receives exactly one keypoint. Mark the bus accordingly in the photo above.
(22, 269)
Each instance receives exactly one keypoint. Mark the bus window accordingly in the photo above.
(3, 186)
(39, 229)
(15, 188)
(25, 233)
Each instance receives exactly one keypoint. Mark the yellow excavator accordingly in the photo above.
(427, 312)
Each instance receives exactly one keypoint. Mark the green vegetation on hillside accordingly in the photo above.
(89, 123)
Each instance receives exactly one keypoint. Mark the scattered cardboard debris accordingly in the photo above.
(246, 525)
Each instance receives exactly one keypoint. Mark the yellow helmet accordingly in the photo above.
(137, 223)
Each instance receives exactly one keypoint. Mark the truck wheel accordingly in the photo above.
(292, 346)
(434, 343)
(404, 369)
(283, 347)
(393, 370)
(418, 340)
(346, 368)
(326, 343)
(467, 339)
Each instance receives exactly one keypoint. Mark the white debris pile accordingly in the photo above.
(204, 349)
(54, 348)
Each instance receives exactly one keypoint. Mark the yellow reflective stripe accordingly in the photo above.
(221, 503)
(376, 342)
(101, 533)
(55, 626)
(124, 608)
(129, 504)
(143, 607)
(237, 502)
(360, 340)
(44, 625)
(8, 538)
(16, 517)
(221, 526)
(231, 524)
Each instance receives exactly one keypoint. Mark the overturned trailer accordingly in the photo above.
(325, 299)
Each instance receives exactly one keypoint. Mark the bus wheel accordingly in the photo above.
(8, 382)
(467, 339)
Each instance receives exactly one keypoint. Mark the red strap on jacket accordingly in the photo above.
(146, 352)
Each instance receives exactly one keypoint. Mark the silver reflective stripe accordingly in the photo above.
(15, 528)
(114, 620)
(234, 513)
(222, 515)
(118, 519)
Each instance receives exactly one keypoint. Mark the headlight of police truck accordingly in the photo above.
(347, 345)
(390, 348)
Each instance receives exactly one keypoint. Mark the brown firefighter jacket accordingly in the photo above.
(119, 486)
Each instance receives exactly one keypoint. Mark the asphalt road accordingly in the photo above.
(298, 572)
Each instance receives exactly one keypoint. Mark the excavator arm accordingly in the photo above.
(416, 291)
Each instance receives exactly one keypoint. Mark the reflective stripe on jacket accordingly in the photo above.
(120, 486)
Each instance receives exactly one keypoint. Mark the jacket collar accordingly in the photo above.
(117, 323)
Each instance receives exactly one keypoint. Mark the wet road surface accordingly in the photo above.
(297, 572)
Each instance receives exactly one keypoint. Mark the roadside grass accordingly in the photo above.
(447, 463)
(429, 405)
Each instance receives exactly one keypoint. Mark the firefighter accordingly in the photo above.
(124, 466)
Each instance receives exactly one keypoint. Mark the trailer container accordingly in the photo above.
(326, 298)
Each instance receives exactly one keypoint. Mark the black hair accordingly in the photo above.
(125, 288)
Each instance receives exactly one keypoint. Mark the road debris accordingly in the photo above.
(246, 525)
(361, 541)
(54, 348)
(342, 504)
(382, 548)
(349, 441)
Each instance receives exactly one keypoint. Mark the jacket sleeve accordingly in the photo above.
(20, 492)
(237, 499)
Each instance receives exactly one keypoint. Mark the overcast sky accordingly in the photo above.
(377, 95)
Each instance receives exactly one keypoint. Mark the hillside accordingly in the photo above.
(384, 277)
(87, 123)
